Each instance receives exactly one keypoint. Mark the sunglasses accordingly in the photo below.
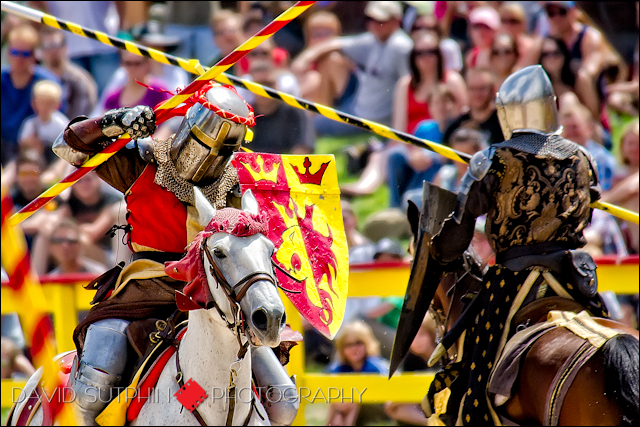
(502, 52)
(353, 344)
(551, 53)
(425, 52)
(61, 240)
(21, 53)
(368, 18)
(551, 13)
(424, 28)
(132, 63)
(259, 53)
(510, 21)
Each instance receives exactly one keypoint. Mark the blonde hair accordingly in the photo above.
(361, 332)
(24, 33)
(632, 128)
(323, 18)
(441, 89)
(224, 15)
(47, 89)
(514, 8)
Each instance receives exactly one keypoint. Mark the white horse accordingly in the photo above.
(214, 351)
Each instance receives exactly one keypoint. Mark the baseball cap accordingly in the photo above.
(485, 15)
(383, 10)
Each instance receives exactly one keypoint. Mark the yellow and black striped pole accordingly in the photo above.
(193, 66)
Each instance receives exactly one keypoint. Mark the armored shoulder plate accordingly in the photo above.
(593, 172)
(479, 165)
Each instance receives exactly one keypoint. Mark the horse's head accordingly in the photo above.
(230, 272)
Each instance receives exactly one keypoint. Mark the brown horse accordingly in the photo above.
(604, 390)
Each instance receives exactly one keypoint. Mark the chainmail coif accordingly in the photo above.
(167, 177)
(553, 146)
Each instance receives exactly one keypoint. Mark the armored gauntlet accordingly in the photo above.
(138, 122)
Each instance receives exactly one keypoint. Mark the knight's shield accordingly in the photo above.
(437, 204)
(301, 197)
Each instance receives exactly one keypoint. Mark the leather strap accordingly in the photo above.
(232, 399)
(180, 381)
(535, 249)
(563, 380)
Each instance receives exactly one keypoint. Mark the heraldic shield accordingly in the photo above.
(437, 204)
(301, 198)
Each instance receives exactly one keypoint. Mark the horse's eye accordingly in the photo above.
(218, 253)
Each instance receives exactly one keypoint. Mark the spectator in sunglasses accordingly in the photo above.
(138, 69)
(504, 57)
(63, 250)
(18, 80)
(555, 58)
(427, 70)
(28, 185)
(514, 22)
(427, 23)
(79, 88)
(586, 44)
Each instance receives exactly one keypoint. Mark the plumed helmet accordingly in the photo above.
(526, 103)
(212, 129)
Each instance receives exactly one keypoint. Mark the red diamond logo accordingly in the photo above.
(191, 395)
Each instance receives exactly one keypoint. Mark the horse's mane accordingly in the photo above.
(228, 220)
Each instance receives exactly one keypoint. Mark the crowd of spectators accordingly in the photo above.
(426, 68)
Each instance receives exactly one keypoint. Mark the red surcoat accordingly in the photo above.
(158, 219)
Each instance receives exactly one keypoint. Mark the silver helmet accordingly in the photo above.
(526, 103)
(211, 131)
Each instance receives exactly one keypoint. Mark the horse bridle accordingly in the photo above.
(238, 326)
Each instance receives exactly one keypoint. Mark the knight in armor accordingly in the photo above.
(535, 189)
(157, 180)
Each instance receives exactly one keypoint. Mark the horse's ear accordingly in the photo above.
(206, 212)
(249, 203)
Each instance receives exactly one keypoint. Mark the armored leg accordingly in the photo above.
(279, 394)
(103, 361)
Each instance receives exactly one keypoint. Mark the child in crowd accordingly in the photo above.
(38, 132)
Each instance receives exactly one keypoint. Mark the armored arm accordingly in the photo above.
(479, 166)
(474, 199)
(84, 136)
(276, 388)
